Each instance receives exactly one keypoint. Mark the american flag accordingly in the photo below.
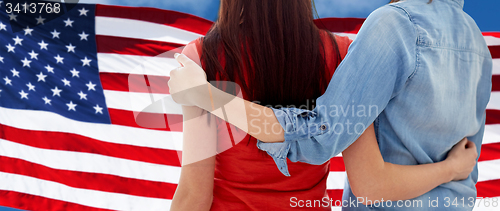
(71, 90)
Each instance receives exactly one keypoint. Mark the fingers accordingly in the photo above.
(471, 146)
(174, 72)
(462, 144)
(183, 60)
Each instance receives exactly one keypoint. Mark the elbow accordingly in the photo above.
(363, 195)
(367, 193)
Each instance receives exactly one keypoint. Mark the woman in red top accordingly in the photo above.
(304, 59)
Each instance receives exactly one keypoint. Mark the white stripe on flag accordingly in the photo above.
(129, 28)
(494, 101)
(37, 120)
(496, 66)
(336, 180)
(92, 198)
(491, 134)
(91, 163)
(488, 170)
(140, 102)
(131, 64)
(490, 40)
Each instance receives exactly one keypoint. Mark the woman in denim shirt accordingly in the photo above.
(427, 70)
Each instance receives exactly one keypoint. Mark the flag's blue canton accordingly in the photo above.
(52, 65)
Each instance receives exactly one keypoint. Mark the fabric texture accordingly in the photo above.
(422, 73)
(247, 179)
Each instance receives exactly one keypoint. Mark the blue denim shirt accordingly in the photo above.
(421, 73)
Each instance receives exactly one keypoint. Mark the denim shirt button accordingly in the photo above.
(323, 127)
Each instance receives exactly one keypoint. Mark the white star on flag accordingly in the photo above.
(18, 41)
(66, 82)
(15, 73)
(13, 17)
(56, 91)
(3, 27)
(30, 87)
(71, 106)
(47, 100)
(59, 59)
(33, 55)
(83, 11)
(75, 73)
(41, 77)
(40, 20)
(71, 48)
(43, 45)
(83, 36)
(49, 69)
(7, 81)
(91, 86)
(86, 62)
(55, 34)
(69, 22)
(26, 62)
(10, 48)
(82, 95)
(98, 110)
(27, 31)
(23, 94)
(1, 59)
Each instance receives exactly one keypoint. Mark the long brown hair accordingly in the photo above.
(272, 48)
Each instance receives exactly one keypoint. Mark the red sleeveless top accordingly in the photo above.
(248, 179)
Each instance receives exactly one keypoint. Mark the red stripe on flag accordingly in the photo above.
(493, 34)
(78, 143)
(344, 25)
(495, 82)
(165, 122)
(135, 83)
(90, 181)
(337, 164)
(495, 51)
(492, 117)
(488, 188)
(165, 17)
(490, 152)
(31, 202)
(131, 46)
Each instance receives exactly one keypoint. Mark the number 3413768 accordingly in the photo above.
(33, 8)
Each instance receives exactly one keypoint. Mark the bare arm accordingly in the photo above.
(373, 179)
(195, 189)
(256, 120)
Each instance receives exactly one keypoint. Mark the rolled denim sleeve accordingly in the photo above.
(381, 60)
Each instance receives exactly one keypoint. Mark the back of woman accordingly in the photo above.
(290, 57)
